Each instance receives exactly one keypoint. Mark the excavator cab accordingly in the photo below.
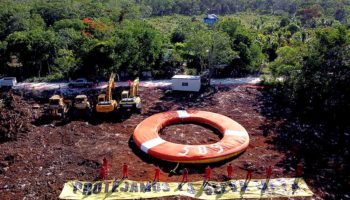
(55, 101)
(101, 98)
(125, 94)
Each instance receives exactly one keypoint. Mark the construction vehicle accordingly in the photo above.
(57, 107)
(130, 100)
(81, 106)
(105, 102)
(8, 82)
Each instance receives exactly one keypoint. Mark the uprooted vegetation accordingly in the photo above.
(39, 162)
(15, 117)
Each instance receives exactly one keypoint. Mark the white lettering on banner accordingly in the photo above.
(232, 189)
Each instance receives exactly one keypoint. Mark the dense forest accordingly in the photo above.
(303, 43)
(55, 40)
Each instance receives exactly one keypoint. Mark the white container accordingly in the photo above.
(186, 83)
(8, 81)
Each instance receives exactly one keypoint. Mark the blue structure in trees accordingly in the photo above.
(210, 19)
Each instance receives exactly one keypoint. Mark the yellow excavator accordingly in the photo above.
(105, 102)
(131, 100)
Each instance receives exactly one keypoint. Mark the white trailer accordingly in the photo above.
(186, 83)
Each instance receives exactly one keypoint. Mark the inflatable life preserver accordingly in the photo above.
(235, 138)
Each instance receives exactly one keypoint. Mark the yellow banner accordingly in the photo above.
(128, 189)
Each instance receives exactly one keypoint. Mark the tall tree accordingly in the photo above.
(210, 48)
(36, 49)
(137, 48)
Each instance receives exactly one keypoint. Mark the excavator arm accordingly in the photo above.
(110, 86)
(135, 88)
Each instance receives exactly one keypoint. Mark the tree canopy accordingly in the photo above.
(66, 39)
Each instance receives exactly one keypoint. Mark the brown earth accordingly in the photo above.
(42, 159)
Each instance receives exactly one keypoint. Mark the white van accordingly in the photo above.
(8, 82)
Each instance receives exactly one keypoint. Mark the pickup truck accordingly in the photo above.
(8, 82)
(81, 82)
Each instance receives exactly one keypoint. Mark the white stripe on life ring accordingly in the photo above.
(151, 143)
(182, 113)
(236, 133)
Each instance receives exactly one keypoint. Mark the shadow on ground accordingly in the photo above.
(320, 145)
(167, 167)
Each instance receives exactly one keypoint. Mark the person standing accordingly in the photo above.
(269, 172)
(298, 173)
(184, 175)
(105, 163)
(229, 171)
(103, 173)
(104, 169)
(249, 175)
(207, 173)
(157, 174)
(125, 171)
(299, 170)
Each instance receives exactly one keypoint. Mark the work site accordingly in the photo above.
(51, 139)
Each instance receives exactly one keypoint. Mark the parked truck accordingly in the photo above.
(8, 82)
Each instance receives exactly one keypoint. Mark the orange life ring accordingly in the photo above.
(235, 138)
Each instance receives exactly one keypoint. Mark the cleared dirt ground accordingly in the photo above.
(46, 155)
